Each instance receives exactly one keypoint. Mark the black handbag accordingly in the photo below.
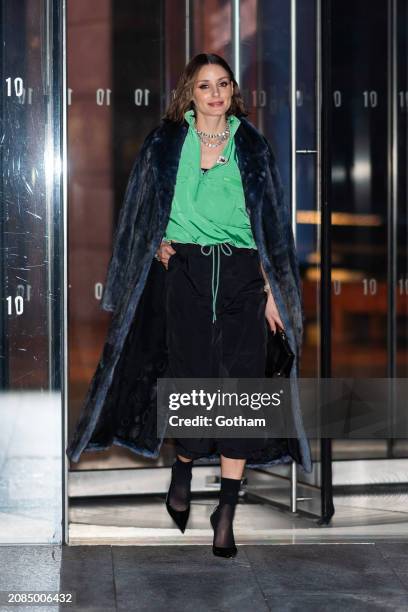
(280, 356)
(279, 362)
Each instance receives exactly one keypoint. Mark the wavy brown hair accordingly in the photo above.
(182, 101)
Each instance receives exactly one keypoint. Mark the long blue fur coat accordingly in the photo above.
(120, 405)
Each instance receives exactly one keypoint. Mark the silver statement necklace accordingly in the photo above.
(220, 136)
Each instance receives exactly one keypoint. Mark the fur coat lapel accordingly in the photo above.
(120, 406)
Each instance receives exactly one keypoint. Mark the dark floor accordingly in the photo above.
(306, 577)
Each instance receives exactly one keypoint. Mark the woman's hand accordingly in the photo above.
(164, 253)
(271, 310)
(272, 314)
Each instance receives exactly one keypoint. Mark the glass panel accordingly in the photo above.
(211, 28)
(307, 233)
(115, 99)
(31, 279)
(359, 189)
(265, 75)
(369, 199)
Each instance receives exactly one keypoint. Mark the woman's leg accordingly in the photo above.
(244, 341)
(190, 332)
(223, 517)
(232, 468)
(180, 486)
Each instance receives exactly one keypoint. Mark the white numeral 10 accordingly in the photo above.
(18, 86)
(370, 99)
(370, 286)
(24, 290)
(142, 97)
(18, 305)
(103, 96)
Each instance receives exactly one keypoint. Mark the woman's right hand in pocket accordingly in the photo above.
(164, 252)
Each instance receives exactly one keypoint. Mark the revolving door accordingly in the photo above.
(83, 83)
(333, 136)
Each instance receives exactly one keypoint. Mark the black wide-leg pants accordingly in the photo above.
(216, 326)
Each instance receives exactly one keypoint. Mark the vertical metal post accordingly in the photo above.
(318, 167)
(392, 207)
(293, 475)
(393, 185)
(324, 10)
(293, 110)
(293, 487)
(236, 59)
(187, 30)
(64, 217)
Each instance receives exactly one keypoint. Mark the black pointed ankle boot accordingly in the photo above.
(222, 518)
(221, 551)
(183, 478)
(180, 517)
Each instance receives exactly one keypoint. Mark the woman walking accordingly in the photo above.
(218, 301)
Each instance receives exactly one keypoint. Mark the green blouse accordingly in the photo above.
(209, 207)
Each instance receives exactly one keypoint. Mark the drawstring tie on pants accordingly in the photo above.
(215, 250)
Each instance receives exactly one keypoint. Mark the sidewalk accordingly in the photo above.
(306, 577)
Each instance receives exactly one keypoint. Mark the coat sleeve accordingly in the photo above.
(285, 219)
(124, 235)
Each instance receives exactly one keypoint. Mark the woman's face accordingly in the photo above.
(212, 92)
